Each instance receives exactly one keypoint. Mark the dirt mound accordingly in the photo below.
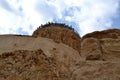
(111, 33)
(59, 33)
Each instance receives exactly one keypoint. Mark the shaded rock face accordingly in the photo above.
(59, 33)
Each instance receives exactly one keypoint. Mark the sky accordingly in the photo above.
(85, 16)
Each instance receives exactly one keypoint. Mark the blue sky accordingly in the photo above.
(24, 16)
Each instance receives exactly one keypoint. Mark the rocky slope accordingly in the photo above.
(56, 52)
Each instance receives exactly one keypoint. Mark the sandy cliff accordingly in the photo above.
(19, 55)
(103, 45)
(101, 52)
(56, 52)
(59, 33)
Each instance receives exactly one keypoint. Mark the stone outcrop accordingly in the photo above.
(59, 33)
(26, 65)
(110, 33)
(103, 45)
(101, 53)
(91, 49)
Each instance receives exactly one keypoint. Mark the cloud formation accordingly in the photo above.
(24, 16)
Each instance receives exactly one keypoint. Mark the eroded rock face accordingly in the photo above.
(104, 45)
(101, 52)
(91, 49)
(97, 70)
(32, 65)
(52, 53)
(111, 33)
(22, 53)
(111, 49)
(59, 33)
(26, 65)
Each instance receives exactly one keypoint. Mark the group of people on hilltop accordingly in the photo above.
(50, 24)
(56, 24)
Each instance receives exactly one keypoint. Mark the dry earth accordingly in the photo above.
(60, 55)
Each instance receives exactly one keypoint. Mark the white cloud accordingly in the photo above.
(88, 15)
